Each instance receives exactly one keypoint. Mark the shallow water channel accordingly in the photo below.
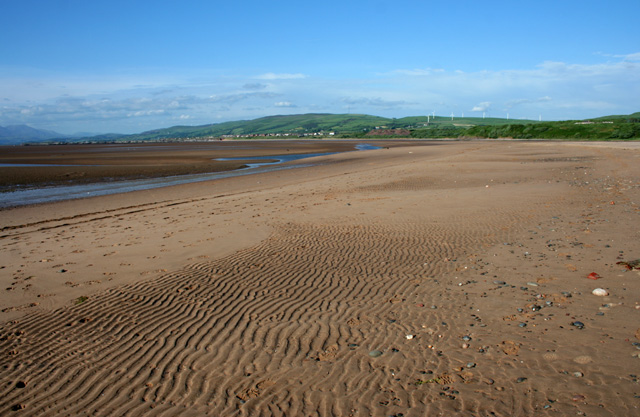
(70, 192)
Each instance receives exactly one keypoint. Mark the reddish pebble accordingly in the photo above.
(578, 397)
(593, 275)
(420, 305)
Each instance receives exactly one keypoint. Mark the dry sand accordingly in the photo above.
(465, 264)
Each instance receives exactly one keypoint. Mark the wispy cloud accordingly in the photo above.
(484, 106)
(273, 76)
(556, 90)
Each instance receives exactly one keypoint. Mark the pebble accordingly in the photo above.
(522, 325)
(578, 374)
(466, 338)
(532, 284)
(409, 336)
(521, 379)
(499, 282)
(578, 324)
(471, 365)
(375, 353)
(600, 292)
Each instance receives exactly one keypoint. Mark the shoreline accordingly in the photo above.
(464, 265)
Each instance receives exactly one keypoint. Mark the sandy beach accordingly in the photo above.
(428, 279)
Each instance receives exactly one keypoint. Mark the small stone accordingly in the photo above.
(578, 324)
(375, 353)
(600, 292)
(532, 284)
(21, 384)
(521, 379)
(465, 346)
(471, 365)
(466, 338)
(409, 336)
(578, 374)
(499, 282)
(522, 325)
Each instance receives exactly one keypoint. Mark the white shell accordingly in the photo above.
(600, 292)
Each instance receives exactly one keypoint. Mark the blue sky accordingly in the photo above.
(130, 66)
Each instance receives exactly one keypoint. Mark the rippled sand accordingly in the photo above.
(264, 295)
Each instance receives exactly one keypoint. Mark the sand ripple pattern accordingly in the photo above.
(277, 329)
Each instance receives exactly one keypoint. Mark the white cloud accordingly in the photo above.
(557, 90)
(484, 106)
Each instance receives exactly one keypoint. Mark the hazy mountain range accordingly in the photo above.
(355, 125)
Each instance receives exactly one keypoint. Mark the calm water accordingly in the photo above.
(70, 192)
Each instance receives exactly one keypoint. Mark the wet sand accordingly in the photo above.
(79, 164)
(436, 279)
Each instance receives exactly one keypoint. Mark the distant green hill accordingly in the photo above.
(295, 125)
(362, 125)
(602, 128)
(341, 125)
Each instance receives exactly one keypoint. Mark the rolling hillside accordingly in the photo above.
(616, 127)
